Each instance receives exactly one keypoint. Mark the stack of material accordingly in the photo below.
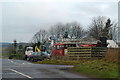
(77, 53)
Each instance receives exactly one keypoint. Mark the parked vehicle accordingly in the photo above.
(46, 54)
(36, 56)
(28, 52)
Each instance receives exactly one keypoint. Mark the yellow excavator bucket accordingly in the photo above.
(37, 49)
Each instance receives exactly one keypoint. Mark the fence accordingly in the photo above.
(77, 53)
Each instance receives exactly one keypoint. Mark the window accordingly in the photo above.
(58, 47)
(61, 47)
(35, 53)
(29, 49)
(39, 53)
(70, 45)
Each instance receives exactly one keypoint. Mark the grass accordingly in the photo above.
(13, 56)
(5, 55)
(93, 68)
(112, 54)
(16, 56)
(60, 62)
(98, 68)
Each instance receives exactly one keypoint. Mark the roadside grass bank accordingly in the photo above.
(59, 62)
(13, 56)
(94, 68)
(16, 56)
(98, 68)
(5, 55)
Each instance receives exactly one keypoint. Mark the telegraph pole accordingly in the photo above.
(15, 46)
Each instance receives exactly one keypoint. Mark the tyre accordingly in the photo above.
(28, 59)
(10, 57)
(25, 57)
(32, 59)
(40, 59)
(35, 60)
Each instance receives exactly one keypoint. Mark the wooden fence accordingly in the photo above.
(77, 53)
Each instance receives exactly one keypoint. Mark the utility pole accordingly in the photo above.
(15, 47)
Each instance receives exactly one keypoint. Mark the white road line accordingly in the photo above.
(20, 73)
(29, 63)
(15, 62)
(11, 61)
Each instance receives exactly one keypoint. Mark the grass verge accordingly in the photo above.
(98, 69)
(13, 56)
(93, 68)
(60, 62)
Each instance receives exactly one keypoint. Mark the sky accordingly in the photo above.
(21, 20)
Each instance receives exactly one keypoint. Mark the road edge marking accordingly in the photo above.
(20, 73)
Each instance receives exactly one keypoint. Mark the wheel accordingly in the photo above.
(28, 59)
(32, 59)
(10, 57)
(25, 57)
(35, 60)
(40, 59)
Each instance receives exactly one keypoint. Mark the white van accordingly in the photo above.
(28, 52)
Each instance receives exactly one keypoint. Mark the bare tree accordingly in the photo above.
(40, 36)
(76, 31)
(114, 31)
(57, 30)
(96, 27)
(60, 29)
(103, 27)
(68, 30)
(52, 31)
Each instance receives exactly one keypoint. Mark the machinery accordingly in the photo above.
(36, 54)
(60, 49)
(28, 52)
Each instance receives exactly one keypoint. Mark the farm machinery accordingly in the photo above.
(36, 53)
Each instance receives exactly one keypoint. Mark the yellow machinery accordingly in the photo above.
(37, 49)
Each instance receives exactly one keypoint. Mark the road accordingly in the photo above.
(17, 69)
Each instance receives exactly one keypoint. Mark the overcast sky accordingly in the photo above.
(21, 20)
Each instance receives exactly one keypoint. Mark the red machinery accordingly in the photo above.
(61, 49)
(90, 45)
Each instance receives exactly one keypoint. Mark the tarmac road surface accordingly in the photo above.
(17, 69)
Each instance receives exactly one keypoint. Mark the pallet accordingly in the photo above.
(86, 52)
